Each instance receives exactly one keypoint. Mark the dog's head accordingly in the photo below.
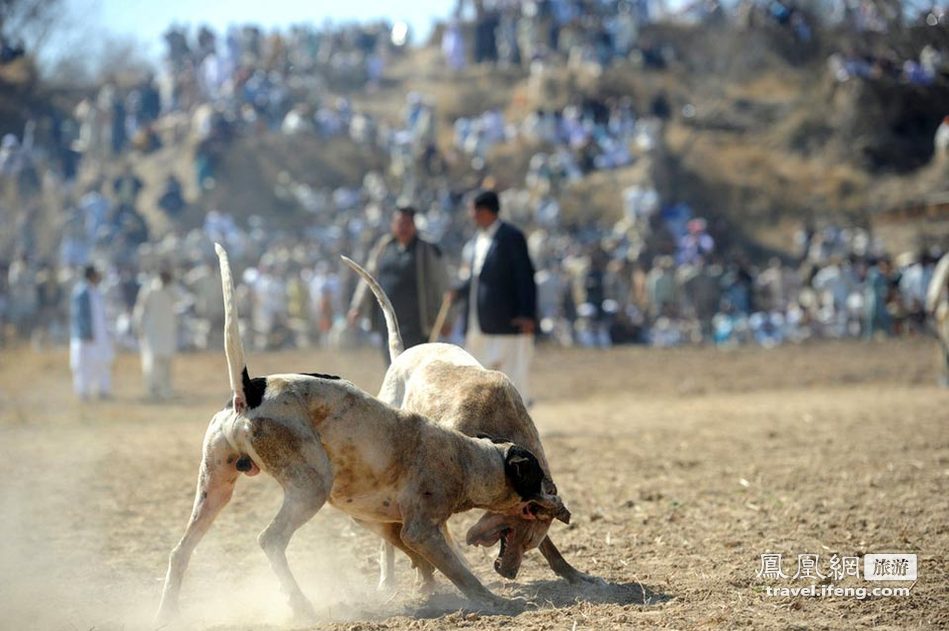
(524, 527)
(536, 490)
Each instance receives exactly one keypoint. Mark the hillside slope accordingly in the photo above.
(761, 139)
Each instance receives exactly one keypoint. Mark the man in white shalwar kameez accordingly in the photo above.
(90, 343)
(156, 322)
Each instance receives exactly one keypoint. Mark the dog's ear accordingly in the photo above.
(523, 472)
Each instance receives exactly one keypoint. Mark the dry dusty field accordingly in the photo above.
(681, 467)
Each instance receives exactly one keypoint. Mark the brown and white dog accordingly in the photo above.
(324, 440)
(446, 384)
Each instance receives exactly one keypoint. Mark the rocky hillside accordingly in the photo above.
(761, 138)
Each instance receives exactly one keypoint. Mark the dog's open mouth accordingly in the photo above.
(502, 568)
(505, 535)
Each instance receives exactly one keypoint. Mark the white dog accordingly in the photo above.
(324, 440)
(449, 386)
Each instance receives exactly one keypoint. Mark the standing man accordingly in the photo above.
(937, 307)
(155, 321)
(90, 346)
(413, 275)
(501, 313)
(204, 283)
(876, 291)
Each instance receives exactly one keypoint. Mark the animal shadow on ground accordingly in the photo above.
(545, 594)
(559, 593)
(536, 596)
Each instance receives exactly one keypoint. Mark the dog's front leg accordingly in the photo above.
(562, 568)
(421, 535)
(391, 539)
(386, 566)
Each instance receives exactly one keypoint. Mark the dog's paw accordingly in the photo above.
(303, 611)
(167, 616)
(386, 584)
(497, 604)
(425, 587)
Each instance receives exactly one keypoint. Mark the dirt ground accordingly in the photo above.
(681, 467)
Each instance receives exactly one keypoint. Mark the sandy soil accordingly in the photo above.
(681, 467)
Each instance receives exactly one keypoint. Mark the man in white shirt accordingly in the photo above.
(90, 344)
(156, 322)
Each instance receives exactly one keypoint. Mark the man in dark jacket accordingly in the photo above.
(501, 312)
(413, 275)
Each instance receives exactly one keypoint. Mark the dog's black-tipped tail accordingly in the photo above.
(233, 347)
(392, 323)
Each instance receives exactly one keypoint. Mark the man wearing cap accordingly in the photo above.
(90, 345)
(413, 274)
(501, 311)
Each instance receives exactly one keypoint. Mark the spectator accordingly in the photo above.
(155, 320)
(937, 308)
(324, 291)
(90, 345)
(876, 294)
(204, 286)
(941, 142)
(23, 295)
(661, 287)
(270, 305)
(127, 186)
(49, 293)
(500, 294)
(453, 46)
(696, 245)
(413, 275)
(171, 199)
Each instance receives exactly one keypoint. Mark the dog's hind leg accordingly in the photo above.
(216, 479)
(303, 470)
(299, 506)
(561, 567)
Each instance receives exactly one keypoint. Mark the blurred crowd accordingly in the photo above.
(522, 33)
(214, 88)
(853, 64)
(596, 34)
(660, 275)
(594, 290)
(588, 135)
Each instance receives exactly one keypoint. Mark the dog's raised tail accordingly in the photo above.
(233, 347)
(392, 323)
